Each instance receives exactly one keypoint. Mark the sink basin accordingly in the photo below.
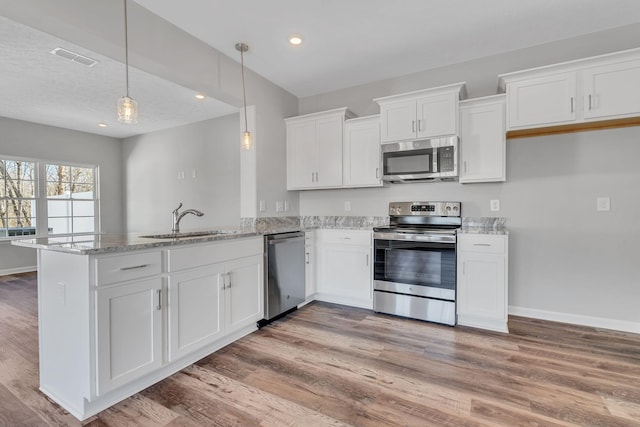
(186, 235)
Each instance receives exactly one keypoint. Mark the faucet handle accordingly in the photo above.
(178, 208)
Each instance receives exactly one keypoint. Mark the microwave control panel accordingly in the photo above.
(446, 159)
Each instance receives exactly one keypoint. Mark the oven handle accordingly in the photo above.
(441, 239)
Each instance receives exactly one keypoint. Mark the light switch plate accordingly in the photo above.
(263, 206)
(347, 206)
(603, 204)
(494, 205)
(286, 206)
(279, 206)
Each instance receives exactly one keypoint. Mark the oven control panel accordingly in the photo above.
(425, 208)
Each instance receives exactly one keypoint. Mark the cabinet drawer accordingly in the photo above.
(201, 255)
(481, 243)
(128, 267)
(348, 237)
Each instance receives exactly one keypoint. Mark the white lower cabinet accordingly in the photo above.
(112, 325)
(195, 309)
(309, 265)
(344, 267)
(482, 294)
(129, 334)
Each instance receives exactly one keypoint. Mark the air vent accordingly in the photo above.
(75, 57)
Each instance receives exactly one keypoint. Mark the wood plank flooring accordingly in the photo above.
(329, 365)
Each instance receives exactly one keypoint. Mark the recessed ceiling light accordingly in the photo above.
(199, 96)
(102, 125)
(295, 40)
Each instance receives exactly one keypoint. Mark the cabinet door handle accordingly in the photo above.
(306, 259)
(419, 125)
(229, 282)
(589, 101)
(465, 166)
(134, 267)
(413, 125)
(377, 173)
(572, 104)
(317, 177)
(159, 306)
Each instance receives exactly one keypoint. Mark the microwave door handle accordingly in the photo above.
(436, 167)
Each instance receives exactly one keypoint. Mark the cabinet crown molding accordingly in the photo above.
(568, 66)
(342, 111)
(459, 87)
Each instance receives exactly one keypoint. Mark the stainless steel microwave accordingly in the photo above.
(422, 160)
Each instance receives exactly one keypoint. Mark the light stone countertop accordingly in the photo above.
(484, 225)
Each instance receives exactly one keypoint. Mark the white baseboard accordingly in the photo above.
(576, 319)
(10, 271)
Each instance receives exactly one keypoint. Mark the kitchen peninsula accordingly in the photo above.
(118, 313)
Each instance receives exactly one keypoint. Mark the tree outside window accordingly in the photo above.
(17, 198)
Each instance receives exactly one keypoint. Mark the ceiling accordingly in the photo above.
(40, 87)
(351, 42)
(345, 43)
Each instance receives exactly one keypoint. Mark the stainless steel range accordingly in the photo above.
(415, 261)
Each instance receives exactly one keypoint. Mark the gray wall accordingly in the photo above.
(32, 140)
(567, 261)
(152, 163)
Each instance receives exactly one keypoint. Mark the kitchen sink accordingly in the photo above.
(187, 234)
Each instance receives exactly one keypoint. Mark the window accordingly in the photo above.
(45, 198)
(71, 199)
(17, 198)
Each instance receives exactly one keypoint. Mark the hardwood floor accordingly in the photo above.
(332, 365)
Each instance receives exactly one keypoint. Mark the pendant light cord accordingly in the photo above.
(126, 46)
(244, 93)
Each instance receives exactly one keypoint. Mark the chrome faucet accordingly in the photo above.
(177, 216)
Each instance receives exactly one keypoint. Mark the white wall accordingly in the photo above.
(153, 161)
(32, 140)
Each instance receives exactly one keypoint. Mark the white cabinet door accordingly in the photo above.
(362, 153)
(344, 267)
(195, 309)
(243, 292)
(482, 141)
(301, 154)
(611, 91)
(542, 101)
(310, 265)
(129, 332)
(398, 121)
(482, 282)
(329, 157)
(437, 115)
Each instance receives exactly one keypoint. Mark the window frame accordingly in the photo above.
(41, 199)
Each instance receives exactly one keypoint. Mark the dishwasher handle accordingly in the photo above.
(287, 240)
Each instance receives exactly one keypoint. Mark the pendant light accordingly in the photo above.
(247, 139)
(127, 107)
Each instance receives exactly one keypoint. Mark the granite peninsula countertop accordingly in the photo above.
(484, 225)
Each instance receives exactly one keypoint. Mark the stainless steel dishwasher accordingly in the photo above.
(284, 274)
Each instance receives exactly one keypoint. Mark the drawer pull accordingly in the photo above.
(482, 244)
(135, 267)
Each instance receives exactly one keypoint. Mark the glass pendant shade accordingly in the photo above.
(127, 110)
(247, 140)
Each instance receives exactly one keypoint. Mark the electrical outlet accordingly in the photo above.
(180, 175)
(263, 206)
(494, 205)
(279, 206)
(603, 204)
(286, 206)
(347, 206)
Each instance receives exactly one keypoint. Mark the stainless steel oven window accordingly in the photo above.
(415, 263)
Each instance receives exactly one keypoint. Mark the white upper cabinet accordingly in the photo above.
(593, 89)
(314, 150)
(542, 101)
(482, 139)
(612, 90)
(423, 114)
(361, 153)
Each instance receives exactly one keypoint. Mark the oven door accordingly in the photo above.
(418, 268)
